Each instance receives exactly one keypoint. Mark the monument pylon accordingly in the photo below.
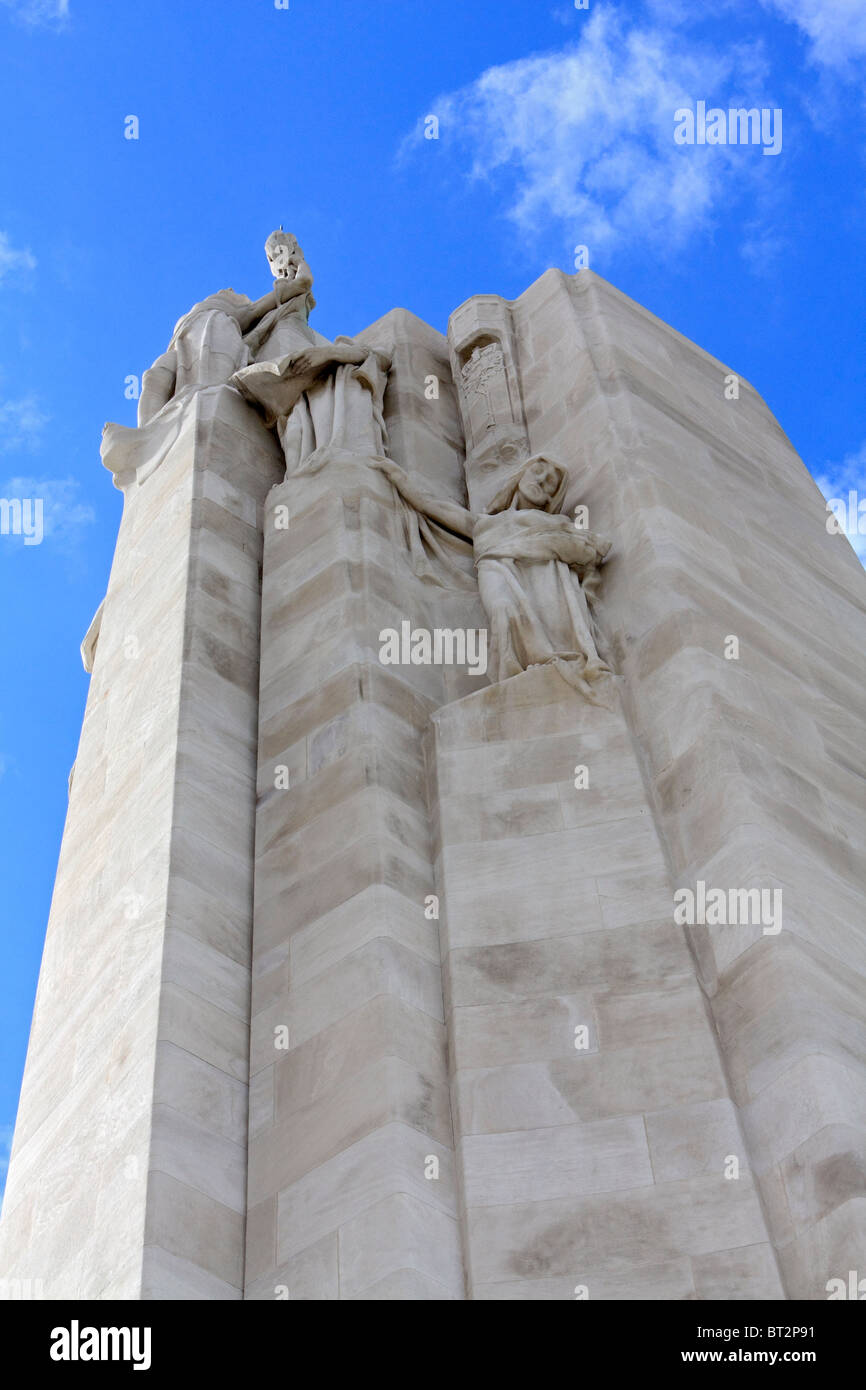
(459, 896)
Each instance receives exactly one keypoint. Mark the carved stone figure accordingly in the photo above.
(91, 637)
(536, 571)
(293, 283)
(208, 345)
(324, 397)
(485, 369)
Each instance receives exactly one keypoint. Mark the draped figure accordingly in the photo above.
(537, 573)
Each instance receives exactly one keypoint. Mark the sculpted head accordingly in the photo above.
(224, 301)
(284, 254)
(541, 484)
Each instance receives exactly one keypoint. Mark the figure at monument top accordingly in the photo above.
(287, 263)
(207, 345)
(325, 398)
(292, 292)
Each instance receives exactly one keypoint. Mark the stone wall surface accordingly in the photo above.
(592, 1110)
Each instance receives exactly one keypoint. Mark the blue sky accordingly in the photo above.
(556, 130)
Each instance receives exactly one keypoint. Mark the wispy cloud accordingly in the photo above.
(21, 423)
(12, 259)
(46, 13)
(845, 483)
(836, 29)
(582, 138)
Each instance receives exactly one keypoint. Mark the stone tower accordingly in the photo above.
(459, 894)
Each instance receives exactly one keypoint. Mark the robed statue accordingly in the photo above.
(325, 398)
(537, 573)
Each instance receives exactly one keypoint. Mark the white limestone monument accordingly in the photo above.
(461, 891)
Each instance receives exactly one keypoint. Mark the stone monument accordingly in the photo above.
(523, 962)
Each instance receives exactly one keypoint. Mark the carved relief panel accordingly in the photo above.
(488, 387)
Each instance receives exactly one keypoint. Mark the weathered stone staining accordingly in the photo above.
(367, 978)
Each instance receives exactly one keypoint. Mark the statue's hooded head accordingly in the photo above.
(540, 483)
(224, 301)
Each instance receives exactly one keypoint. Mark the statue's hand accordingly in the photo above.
(305, 362)
(349, 352)
(600, 544)
(594, 549)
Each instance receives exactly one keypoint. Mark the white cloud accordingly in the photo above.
(584, 135)
(52, 13)
(64, 517)
(12, 259)
(836, 29)
(21, 423)
(839, 481)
